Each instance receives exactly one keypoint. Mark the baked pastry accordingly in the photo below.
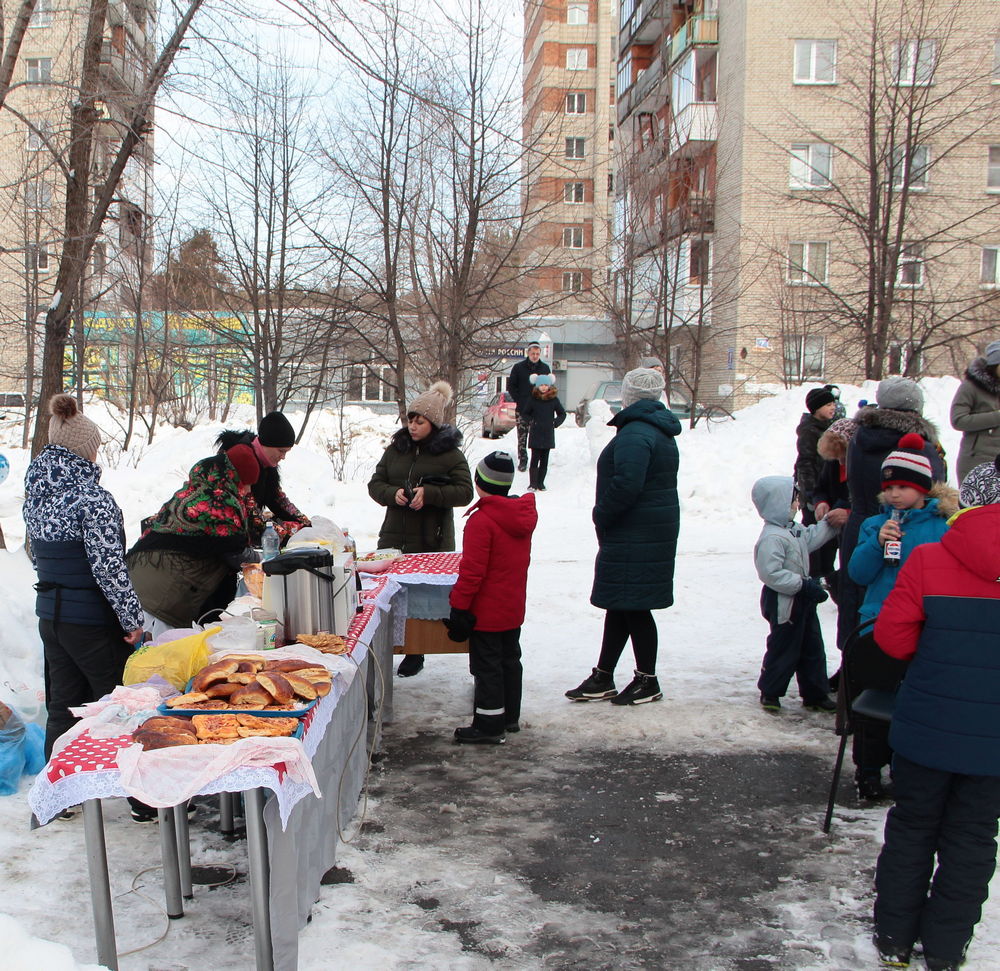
(302, 687)
(209, 675)
(250, 725)
(223, 690)
(186, 700)
(168, 723)
(327, 643)
(276, 685)
(286, 664)
(150, 739)
(210, 728)
(252, 695)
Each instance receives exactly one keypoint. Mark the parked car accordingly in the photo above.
(499, 415)
(609, 391)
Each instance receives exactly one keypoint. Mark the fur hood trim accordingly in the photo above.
(441, 440)
(946, 496)
(978, 372)
(903, 422)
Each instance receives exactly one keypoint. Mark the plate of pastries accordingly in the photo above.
(167, 731)
(274, 687)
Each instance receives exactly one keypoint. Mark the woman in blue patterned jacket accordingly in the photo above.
(89, 617)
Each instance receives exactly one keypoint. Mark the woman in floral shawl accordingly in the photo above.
(196, 542)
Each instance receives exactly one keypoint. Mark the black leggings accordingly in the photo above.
(619, 626)
(539, 466)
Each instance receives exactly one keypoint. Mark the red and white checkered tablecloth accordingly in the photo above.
(434, 568)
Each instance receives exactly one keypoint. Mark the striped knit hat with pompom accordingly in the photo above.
(907, 465)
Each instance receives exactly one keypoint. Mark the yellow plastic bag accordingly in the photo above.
(175, 661)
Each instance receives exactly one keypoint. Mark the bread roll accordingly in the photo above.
(209, 675)
(185, 701)
(150, 740)
(276, 684)
(286, 664)
(302, 687)
(223, 690)
(168, 723)
(252, 695)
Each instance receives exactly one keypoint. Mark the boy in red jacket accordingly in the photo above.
(487, 601)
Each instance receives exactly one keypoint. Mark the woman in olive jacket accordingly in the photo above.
(975, 412)
(420, 478)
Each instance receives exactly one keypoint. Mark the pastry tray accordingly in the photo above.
(165, 709)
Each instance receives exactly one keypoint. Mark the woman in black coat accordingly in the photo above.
(637, 518)
(545, 414)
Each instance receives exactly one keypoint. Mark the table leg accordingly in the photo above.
(183, 849)
(226, 824)
(100, 885)
(171, 865)
(260, 877)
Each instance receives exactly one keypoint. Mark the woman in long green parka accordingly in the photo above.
(637, 517)
(421, 477)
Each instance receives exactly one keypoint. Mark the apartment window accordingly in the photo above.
(41, 16)
(699, 261)
(576, 103)
(39, 70)
(989, 268)
(572, 281)
(807, 263)
(575, 148)
(37, 136)
(804, 356)
(577, 13)
(38, 258)
(910, 171)
(913, 62)
(993, 173)
(573, 192)
(815, 62)
(37, 195)
(573, 237)
(811, 165)
(577, 59)
(371, 384)
(910, 272)
(624, 76)
(625, 12)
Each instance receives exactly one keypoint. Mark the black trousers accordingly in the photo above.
(495, 663)
(619, 626)
(539, 467)
(523, 424)
(82, 664)
(794, 647)
(951, 816)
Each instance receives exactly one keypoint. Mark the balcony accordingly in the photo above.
(644, 26)
(693, 126)
(698, 30)
(122, 70)
(695, 215)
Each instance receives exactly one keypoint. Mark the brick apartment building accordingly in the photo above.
(34, 143)
(746, 161)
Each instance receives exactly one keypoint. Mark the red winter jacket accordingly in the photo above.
(496, 549)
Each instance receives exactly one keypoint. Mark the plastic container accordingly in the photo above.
(270, 542)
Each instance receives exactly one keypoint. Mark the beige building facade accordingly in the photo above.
(34, 146)
(806, 196)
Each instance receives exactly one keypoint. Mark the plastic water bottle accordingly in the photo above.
(270, 542)
(893, 552)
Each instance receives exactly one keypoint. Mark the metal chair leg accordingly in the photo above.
(835, 783)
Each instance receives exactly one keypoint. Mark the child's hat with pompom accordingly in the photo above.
(432, 403)
(906, 464)
(69, 428)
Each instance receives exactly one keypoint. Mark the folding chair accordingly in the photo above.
(875, 677)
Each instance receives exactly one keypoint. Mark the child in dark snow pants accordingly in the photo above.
(488, 599)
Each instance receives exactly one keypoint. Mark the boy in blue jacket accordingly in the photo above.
(923, 509)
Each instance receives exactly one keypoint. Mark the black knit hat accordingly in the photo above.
(275, 431)
(818, 397)
(495, 473)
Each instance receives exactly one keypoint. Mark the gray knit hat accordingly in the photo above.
(650, 362)
(69, 428)
(642, 383)
(992, 353)
(900, 394)
(981, 487)
(432, 403)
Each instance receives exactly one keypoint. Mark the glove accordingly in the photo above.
(460, 624)
(813, 592)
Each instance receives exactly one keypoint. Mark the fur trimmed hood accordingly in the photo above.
(947, 499)
(979, 373)
(902, 422)
(439, 441)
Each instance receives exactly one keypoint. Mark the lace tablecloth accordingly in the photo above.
(87, 767)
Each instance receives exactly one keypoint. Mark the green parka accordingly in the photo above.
(437, 464)
(637, 513)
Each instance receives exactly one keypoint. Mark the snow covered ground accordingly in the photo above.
(710, 648)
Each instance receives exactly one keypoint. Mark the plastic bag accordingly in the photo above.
(21, 750)
(236, 635)
(175, 660)
(323, 532)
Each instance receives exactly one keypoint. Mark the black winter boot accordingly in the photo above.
(598, 687)
(643, 688)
